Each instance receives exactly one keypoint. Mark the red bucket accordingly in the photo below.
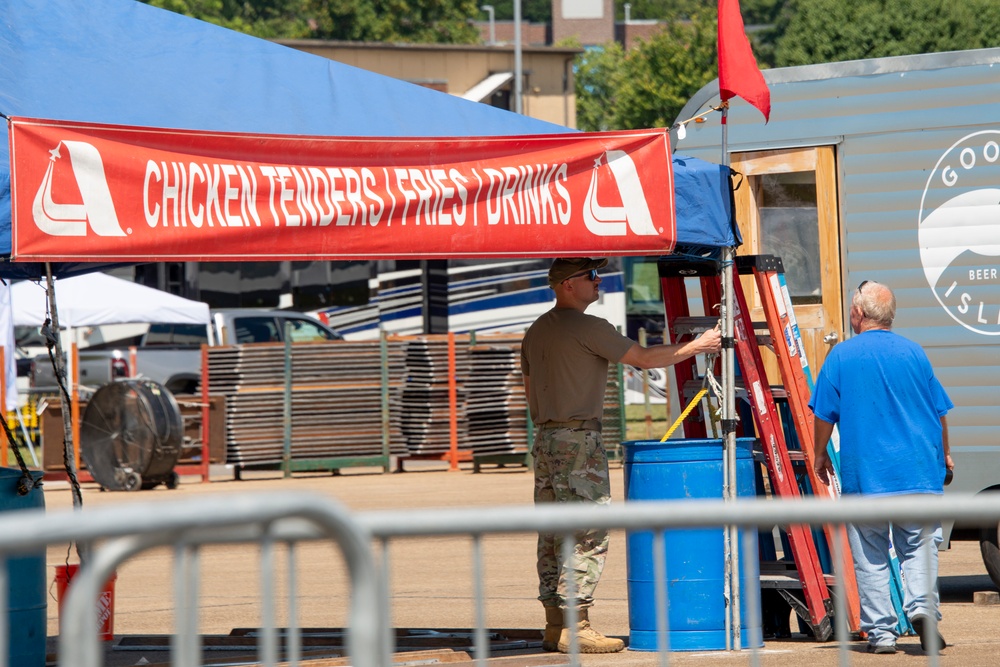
(105, 600)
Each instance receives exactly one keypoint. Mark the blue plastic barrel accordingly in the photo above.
(26, 600)
(695, 557)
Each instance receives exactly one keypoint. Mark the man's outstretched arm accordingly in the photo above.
(661, 356)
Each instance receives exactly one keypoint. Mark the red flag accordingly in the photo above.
(738, 71)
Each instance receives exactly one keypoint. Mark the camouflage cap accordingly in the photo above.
(564, 267)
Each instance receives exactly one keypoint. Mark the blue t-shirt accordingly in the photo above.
(880, 389)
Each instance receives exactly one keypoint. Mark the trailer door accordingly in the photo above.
(787, 206)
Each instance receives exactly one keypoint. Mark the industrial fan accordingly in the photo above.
(131, 435)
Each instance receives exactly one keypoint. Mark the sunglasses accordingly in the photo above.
(860, 287)
(591, 275)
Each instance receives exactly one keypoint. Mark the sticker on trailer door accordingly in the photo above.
(960, 232)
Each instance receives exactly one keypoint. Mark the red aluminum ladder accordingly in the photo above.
(817, 608)
(787, 348)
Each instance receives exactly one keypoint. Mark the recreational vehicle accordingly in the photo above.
(483, 296)
(361, 298)
(885, 169)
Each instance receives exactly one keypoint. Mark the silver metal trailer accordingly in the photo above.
(885, 169)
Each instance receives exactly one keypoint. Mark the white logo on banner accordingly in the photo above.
(960, 232)
(634, 211)
(97, 209)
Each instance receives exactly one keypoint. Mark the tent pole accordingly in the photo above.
(729, 412)
(69, 457)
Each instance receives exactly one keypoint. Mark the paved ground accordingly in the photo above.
(431, 581)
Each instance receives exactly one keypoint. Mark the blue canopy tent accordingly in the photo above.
(123, 62)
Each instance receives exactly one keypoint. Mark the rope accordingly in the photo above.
(712, 382)
(691, 406)
(708, 382)
(50, 342)
(695, 119)
(60, 374)
(27, 482)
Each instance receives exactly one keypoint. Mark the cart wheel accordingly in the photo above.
(173, 480)
(132, 482)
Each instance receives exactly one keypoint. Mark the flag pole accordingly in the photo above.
(740, 76)
(729, 418)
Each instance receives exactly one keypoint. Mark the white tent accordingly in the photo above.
(97, 298)
(7, 341)
(89, 300)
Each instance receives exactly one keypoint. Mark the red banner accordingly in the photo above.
(112, 193)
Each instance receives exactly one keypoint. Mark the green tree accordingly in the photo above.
(661, 10)
(754, 11)
(759, 16)
(817, 31)
(415, 21)
(598, 77)
(420, 21)
(760, 12)
(261, 18)
(648, 85)
(535, 11)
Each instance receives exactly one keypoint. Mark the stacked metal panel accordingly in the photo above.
(425, 403)
(492, 411)
(614, 411)
(336, 400)
(496, 408)
(337, 394)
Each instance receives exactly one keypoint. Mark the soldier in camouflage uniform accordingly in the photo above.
(564, 361)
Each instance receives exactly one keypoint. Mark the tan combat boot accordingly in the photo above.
(553, 628)
(589, 639)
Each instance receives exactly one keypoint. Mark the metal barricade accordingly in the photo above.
(118, 533)
(565, 519)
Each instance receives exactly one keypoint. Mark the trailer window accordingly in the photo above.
(789, 226)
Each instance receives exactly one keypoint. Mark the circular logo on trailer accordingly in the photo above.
(960, 232)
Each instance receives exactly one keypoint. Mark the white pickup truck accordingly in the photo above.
(171, 353)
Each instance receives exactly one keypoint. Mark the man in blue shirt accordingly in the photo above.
(880, 389)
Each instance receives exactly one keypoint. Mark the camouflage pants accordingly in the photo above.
(571, 466)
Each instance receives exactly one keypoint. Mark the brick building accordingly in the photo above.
(588, 22)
